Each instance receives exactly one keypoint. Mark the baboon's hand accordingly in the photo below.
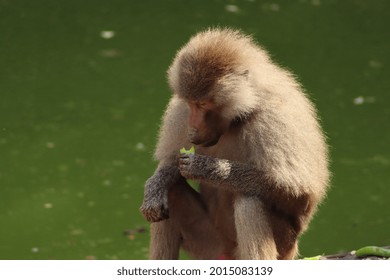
(155, 204)
(194, 166)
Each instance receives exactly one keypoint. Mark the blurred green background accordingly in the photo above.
(83, 88)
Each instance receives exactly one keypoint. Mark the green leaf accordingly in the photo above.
(190, 151)
(194, 184)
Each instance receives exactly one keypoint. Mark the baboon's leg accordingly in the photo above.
(254, 234)
(165, 240)
(188, 226)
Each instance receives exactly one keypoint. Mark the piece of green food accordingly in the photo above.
(373, 251)
(191, 151)
(315, 258)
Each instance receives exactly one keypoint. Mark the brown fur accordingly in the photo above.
(261, 182)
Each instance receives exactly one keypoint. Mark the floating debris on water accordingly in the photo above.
(107, 34)
(140, 146)
(50, 145)
(316, 2)
(35, 249)
(273, 7)
(129, 232)
(77, 232)
(63, 168)
(110, 53)
(374, 198)
(358, 100)
(91, 203)
(48, 205)
(375, 64)
(379, 159)
(232, 8)
(361, 100)
(107, 183)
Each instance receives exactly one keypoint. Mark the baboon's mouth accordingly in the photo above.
(207, 143)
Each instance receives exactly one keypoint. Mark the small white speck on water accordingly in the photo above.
(140, 146)
(77, 232)
(274, 7)
(358, 100)
(107, 34)
(375, 64)
(316, 2)
(50, 145)
(362, 100)
(232, 8)
(35, 249)
(107, 183)
(110, 53)
(48, 205)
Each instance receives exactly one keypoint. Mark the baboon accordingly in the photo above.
(261, 156)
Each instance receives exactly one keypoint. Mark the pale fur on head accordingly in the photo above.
(218, 60)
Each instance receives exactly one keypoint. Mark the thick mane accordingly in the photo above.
(205, 59)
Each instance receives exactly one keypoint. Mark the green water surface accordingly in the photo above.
(83, 87)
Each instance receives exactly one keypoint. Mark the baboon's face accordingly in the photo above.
(205, 123)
